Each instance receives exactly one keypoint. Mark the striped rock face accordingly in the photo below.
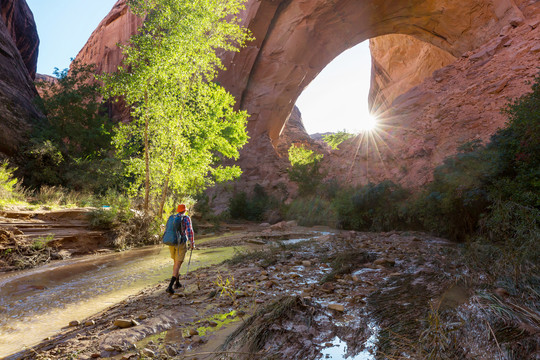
(18, 58)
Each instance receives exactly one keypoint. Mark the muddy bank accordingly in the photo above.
(343, 296)
(30, 238)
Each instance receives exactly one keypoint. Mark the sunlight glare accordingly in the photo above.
(368, 123)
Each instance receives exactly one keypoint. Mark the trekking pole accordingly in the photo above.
(189, 262)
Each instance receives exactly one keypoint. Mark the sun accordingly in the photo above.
(367, 123)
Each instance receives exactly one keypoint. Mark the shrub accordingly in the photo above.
(254, 207)
(378, 207)
(516, 149)
(334, 140)
(305, 169)
(9, 189)
(75, 134)
(311, 211)
(453, 202)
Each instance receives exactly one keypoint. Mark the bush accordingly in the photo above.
(311, 211)
(9, 190)
(514, 227)
(376, 207)
(113, 209)
(254, 207)
(334, 140)
(63, 149)
(305, 169)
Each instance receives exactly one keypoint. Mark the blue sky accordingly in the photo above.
(335, 100)
(64, 26)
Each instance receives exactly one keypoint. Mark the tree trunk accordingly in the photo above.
(166, 185)
(147, 162)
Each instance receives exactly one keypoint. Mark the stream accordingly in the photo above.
(38, 303)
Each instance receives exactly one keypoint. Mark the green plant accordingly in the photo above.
(334, 140)
(10, 191)
(310, 211)
(305, 169)
(41, 242)
(254, 207)
(377, 207)
(183, 123)
(75, 135)
(226, 286)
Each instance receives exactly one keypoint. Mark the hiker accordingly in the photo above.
(179, 227)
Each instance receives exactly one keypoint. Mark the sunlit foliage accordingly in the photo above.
(182, 123)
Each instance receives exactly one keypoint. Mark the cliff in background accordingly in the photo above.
(18, 58)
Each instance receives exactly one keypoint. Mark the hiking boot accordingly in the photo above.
(170, 289)
(177, 284)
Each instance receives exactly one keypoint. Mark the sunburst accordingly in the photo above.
(374, 134)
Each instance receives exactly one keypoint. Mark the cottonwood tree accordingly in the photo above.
(182, 124)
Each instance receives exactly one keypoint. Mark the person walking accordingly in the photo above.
(184, 231)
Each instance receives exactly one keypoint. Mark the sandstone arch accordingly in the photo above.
(297, 38)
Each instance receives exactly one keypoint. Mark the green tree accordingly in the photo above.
(182, 124)
(334, 140)
(76, 134)
(306, 169)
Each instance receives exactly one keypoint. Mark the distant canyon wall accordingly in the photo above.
(19, 44)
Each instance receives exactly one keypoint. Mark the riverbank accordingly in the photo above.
(345, 295)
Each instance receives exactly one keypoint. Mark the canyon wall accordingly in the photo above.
(426, 115)
(20, 24)
(18, 56)
(459, 103)
(399, 63)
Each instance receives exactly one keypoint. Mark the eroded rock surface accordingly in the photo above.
(399, 63)
(459, 103)
(17, 91)
(294, 40)
(20, 24)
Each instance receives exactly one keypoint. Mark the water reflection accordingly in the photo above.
(42, 301)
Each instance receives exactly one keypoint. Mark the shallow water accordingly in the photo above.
(339, 351)
(38, 303)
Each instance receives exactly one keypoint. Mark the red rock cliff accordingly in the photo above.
(20, 24)
(296, 39)
(17, 91)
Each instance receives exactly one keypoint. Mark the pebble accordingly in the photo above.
(95, 356)
(197, 339)
(306, 263)
(337, 307)
(141, 317)
(193, 332)
(125, 323)
(74, 323)
(89, 323)
(212, 323)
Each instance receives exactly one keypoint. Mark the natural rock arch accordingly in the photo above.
(296, 39)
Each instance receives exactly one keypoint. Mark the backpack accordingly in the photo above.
(174, 230)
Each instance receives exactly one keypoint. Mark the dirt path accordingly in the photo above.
(344, 295)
